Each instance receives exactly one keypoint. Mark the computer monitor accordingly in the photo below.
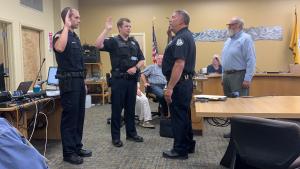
(2, 80)
(52, 80)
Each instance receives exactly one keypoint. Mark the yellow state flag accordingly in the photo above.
(294, 43)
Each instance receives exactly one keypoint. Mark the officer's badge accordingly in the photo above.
(133, 58)
(179, 42)
(132, 42)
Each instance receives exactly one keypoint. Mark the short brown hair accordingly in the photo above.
(121, 21)
(64, 13)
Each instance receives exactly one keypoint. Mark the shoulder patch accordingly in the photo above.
(132, 42)
(179, 42)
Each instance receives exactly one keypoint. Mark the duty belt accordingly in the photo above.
(62, 75)
(123, 75)
(183, 77)
(233, 71)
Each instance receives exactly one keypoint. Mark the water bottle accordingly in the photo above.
(36, 88)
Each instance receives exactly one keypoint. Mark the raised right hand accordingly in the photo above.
(108, 23)
(68, 23)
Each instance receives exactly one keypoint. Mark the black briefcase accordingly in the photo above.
(165, 129)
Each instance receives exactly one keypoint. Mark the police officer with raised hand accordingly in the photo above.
(126, 60)
(70, 72)
(178, 67)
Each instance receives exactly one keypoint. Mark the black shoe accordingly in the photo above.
(227, 135)
(117, 143)
(135, 138)
(174, 155)
(84, 153)
(73, 159)
(191, 148)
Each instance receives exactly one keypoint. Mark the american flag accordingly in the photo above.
(154, 45)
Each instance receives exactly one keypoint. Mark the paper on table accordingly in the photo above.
(53, 93)
(211, 97)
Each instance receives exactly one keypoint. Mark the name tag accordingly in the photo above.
(134, 58)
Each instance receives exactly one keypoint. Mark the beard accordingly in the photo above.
(230, 32)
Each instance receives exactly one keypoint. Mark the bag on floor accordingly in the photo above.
(16, 152)
(165, 129)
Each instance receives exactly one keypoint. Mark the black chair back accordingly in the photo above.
(265, 143)
(108, 79)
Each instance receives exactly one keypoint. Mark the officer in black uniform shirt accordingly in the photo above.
(70, 72)
(126, 60)
(178, 67)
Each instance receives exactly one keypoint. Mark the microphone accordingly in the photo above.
(39, 71)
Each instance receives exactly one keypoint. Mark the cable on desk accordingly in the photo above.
(35, 117)
(46, 133)
(218, 121)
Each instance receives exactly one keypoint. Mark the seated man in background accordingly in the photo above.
(215, 66)
(142, 108)
(155, 82)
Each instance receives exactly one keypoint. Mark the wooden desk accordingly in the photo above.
(279, 84)
(54, 119)
(267, 107)
(19, 115)
(197, 122)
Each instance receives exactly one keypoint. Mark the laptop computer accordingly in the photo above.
(24, 86)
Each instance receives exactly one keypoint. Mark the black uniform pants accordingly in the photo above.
(123, 96)
(181, 116)
(72, 93)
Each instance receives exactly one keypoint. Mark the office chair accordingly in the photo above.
(264, 144)
(153, 97)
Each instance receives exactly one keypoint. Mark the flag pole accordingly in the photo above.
(154, 42)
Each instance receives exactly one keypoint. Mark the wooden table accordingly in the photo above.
(266, 107)
(18, 116)
(263, 84)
